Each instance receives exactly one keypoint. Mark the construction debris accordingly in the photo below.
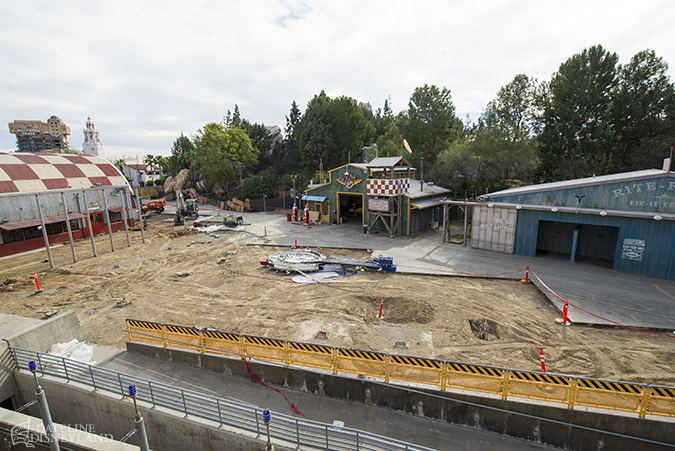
(307, 260)
(122, 303)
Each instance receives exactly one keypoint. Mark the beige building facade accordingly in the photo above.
(39, 136)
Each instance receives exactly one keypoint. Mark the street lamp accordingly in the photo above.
(241, 183)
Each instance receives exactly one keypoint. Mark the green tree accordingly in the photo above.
(181, 155)
(640, 110)
(430, 125)
(578, 134)
(314, 134)
(218, 149)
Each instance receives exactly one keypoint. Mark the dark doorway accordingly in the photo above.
(595, 244)
(351, 208)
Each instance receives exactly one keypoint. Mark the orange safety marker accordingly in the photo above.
(296, 242)
(527, 275)
(543, 360)
(564, 323)
(265, 227)
(381, 305)
(37, 283)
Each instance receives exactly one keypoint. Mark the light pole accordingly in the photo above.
(241, 183)
(267, 416)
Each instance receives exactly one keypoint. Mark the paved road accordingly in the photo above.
(620, 297)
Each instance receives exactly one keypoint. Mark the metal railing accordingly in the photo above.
(241, 416)
(569, 391)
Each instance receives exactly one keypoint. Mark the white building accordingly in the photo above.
(140, 173)
(92, 144)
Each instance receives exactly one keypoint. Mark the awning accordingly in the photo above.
(313, 198)
(36, 222)
(426, 203)
(115, 209)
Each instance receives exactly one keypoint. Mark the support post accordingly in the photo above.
(575, 240)
(44, 231)
(140, 215)
(70, 232)
(138, 420)
(44, 411)
(107, 219)
(466, 216)
(125, 214)
(91, 231)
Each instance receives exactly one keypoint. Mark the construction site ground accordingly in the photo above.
(216, 279)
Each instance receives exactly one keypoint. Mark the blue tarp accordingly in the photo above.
(314, 198)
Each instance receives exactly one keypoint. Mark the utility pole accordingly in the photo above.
(241, 183)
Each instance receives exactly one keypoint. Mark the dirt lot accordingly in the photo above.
(230, 290)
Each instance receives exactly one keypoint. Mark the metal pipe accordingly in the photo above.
(138, 420)
(466, 216)
(44, 411)
(44, 231)
(140, 215)
(70, 233)
(107, 220)
(125, 215)
(86, 213)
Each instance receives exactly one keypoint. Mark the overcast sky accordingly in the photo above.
(145, 71)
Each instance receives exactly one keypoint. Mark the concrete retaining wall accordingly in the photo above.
(514, 419)
(167, 431)
(62, 328)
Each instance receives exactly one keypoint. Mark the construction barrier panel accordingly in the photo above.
(264, 348)
(416, 369)
(609, 395)
(543, 386)
(474, 377)
(311, 355)
(366, 363)
(145, 331)
(624, 396)
(183, 337)
(660, 401)
(221, 342)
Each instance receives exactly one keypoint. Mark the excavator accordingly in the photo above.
(184, 207)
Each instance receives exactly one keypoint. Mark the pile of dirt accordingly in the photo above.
(224, 286)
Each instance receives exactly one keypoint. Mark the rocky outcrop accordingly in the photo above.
(172, 184)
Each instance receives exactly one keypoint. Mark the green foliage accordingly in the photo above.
(265, 182)
(577, 138)
(182, 154)
(332, 131)
(218, 149)
(430, 124)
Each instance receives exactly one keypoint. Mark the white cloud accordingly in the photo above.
(147, 71)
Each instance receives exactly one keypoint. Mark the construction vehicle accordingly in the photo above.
(185, 208)
(154, 205)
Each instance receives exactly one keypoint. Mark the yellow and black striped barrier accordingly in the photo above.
(572, 391)
(610, 395)
(265, 348)
(416, 369)
(475, 377)
(542, 386)
(145, 331)
(312, 355)
(367, 363)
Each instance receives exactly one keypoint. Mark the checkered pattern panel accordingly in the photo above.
(387, 187)
(22, 172)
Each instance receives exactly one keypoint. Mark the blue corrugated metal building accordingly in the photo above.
(627, 219)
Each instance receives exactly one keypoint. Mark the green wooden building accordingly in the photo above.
(381, 196)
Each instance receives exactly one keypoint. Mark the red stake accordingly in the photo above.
(381, 305)
(296, 242)
(543, 361)
(565, 313)
(265, 230)
(37, 284)
(527, 274)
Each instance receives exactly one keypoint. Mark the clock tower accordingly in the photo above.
(92, 142)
